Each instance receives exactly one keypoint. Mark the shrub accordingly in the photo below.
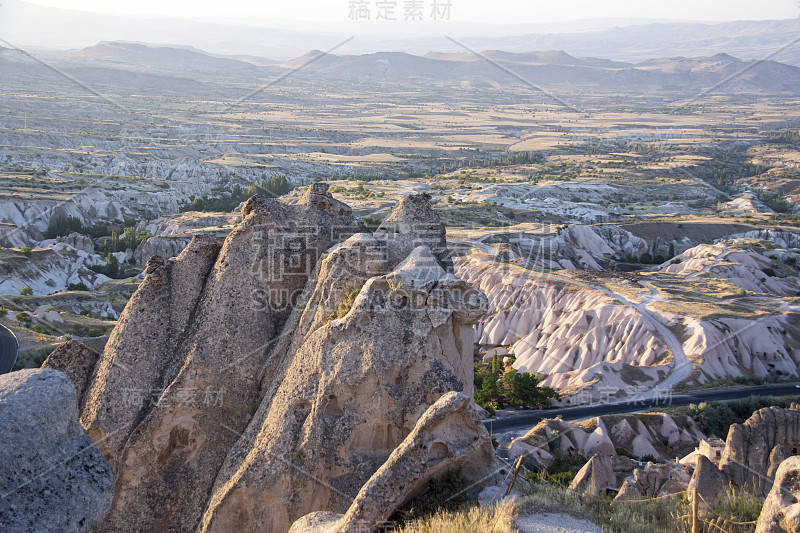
(26, 251)
(33, 358)
(61, 225)
(97, 332)
(23, 318)
(86, 313)
(717, 417)
(26, 291)
(77, 287)
(344, 305)
(563, 478)
(3, 311)
(371, 223)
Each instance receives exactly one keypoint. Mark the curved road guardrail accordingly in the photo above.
(9, 350)
(525, 420)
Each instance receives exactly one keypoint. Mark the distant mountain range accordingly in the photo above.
(558, 70)
(161, 59)
(30, 25)
(124, 67)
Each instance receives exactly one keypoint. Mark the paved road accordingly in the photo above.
(522, 420)
(8, 350)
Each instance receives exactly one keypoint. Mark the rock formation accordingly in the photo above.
(749, 446)
(742, 267)
(52, 476)
(140, 359)
(568, 332)
(596, 477)
(650, 479)
(752, 455)
(354, 389)
(77, 360)
(781, 510)
(414, 223)
(708, 480)
(601, 336)
(191, 348)
(449, 436)
(280, 369)
(658, 435)
(628, 492)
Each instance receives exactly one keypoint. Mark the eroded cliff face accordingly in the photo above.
(353, 391)
(179, 380)
(253, 381)
(449, 435)
(754, 450)
(141, 357)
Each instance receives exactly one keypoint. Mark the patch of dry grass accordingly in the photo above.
(490, 519)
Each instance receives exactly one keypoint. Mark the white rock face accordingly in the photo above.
(28, 218)
(576, 246)
(654, 434)
(744, 267)
(595, 344)
(746, 203)
(48, 271)
(731, 347)
(573, 335)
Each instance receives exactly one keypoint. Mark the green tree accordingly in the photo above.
(26, 291)
(486, 382)
(522, 388)
(112, 244)
(497, 367)
(129, 239)
(112, 266)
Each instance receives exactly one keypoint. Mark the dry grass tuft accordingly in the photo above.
(492, 519)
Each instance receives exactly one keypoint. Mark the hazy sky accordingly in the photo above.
(494, 11)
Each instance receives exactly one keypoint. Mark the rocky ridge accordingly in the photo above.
(343, 348)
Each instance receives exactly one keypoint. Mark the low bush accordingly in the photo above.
(717, 417)
(97, 332)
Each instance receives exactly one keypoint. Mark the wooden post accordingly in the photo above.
(516, 473)
(695, 522)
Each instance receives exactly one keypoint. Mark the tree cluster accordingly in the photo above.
(227, 201)
(129, 240)
(717, 417)
(111, 269)
(498, 385)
